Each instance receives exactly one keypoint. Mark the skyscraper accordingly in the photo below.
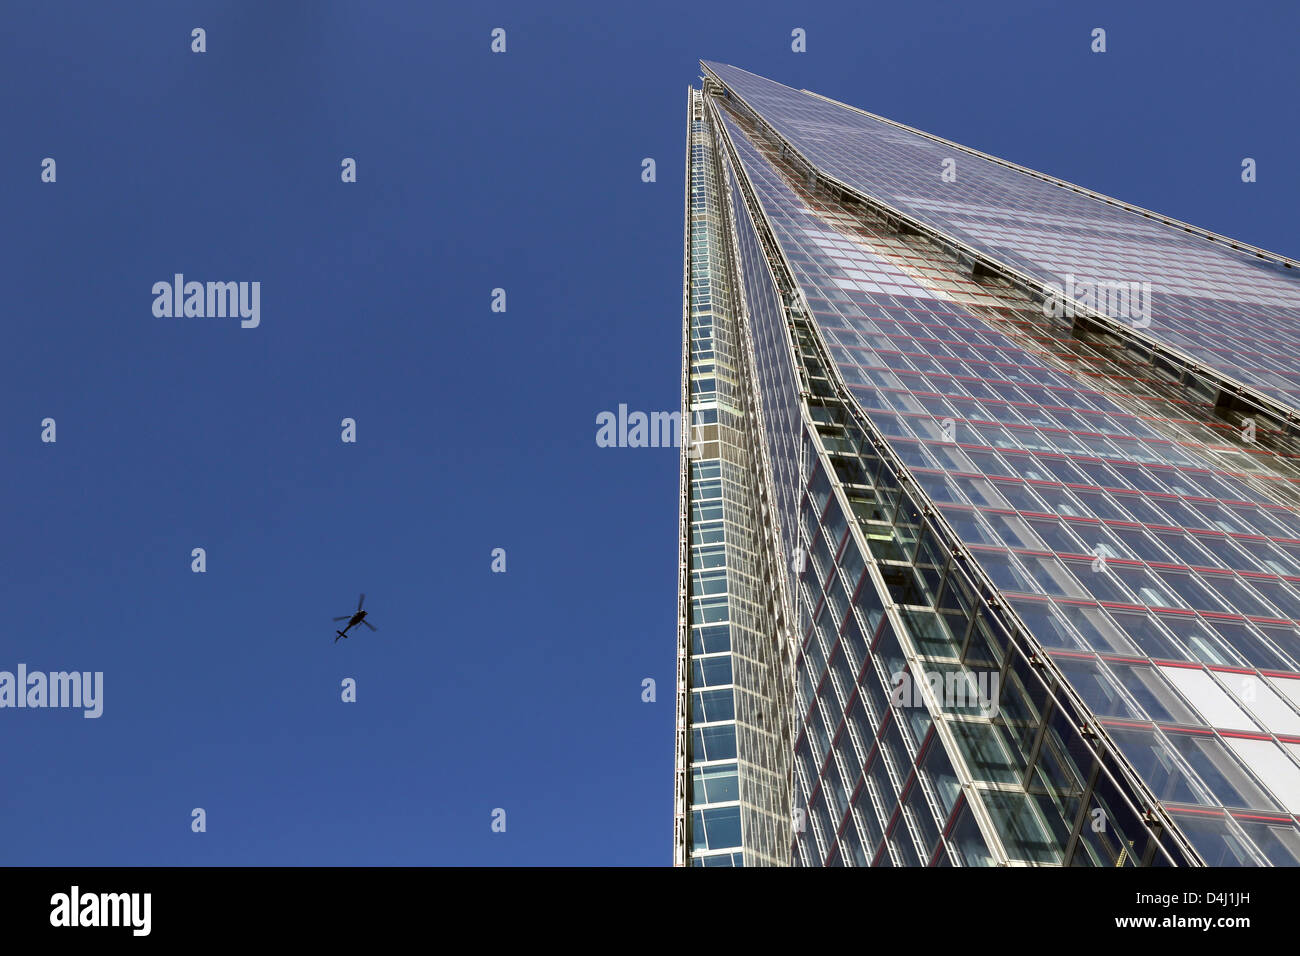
(990, 552)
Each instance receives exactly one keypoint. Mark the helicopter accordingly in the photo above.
(357, 617)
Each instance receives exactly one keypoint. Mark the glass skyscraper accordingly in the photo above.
(990, 551)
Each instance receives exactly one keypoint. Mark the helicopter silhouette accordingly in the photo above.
(357, 617)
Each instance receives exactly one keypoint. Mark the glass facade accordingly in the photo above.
(1032, 564)
(1228, 305)
(733, 760)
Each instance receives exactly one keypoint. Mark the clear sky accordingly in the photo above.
(475, 429)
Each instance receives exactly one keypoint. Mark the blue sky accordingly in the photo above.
(476, 430)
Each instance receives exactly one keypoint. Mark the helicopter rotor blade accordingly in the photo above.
(362, 601)
(343, 617)
(369, 625)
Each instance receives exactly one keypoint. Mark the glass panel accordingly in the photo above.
(1216, 839)
(1093, 683)
(1219, 771)
(1153, 693)
(1209, 699)
(1269, 763)
(1154, 761)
